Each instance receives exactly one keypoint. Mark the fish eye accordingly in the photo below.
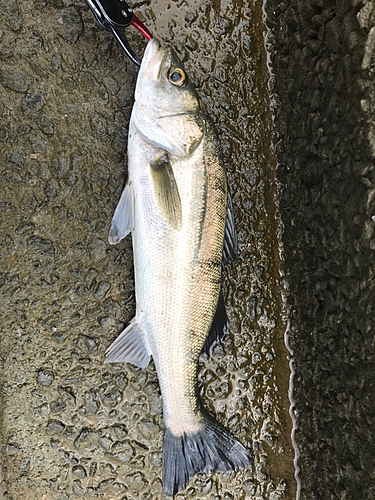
(177, 77)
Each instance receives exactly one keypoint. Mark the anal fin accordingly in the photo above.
(129, 347)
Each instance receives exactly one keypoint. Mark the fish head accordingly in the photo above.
(167, 109)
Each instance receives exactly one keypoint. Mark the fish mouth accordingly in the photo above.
(150, 66)
(151, 62)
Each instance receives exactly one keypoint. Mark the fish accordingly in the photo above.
(177, 206)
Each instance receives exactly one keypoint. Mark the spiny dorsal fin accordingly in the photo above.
(123, 218)
(166, 190)
(129, 347)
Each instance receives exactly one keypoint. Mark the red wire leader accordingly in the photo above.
(141, 27)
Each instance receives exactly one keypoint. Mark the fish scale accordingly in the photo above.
(166, 285)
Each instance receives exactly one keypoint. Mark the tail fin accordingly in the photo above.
(213, 449)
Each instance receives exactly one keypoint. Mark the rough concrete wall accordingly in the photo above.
(324, 64)
(72, 427)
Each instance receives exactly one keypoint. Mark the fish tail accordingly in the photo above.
(212, 449)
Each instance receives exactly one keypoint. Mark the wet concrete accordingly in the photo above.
(324, 109)
(72, 427)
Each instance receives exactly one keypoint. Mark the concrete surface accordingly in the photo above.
(299, 146)
(324, 114)
(72, 427)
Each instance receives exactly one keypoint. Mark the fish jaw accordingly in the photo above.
(152, 52)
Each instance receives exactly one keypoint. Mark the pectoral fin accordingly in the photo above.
(123, 218)
(166, 190)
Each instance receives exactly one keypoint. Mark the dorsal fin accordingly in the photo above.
(219, 327)
(230, 245)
